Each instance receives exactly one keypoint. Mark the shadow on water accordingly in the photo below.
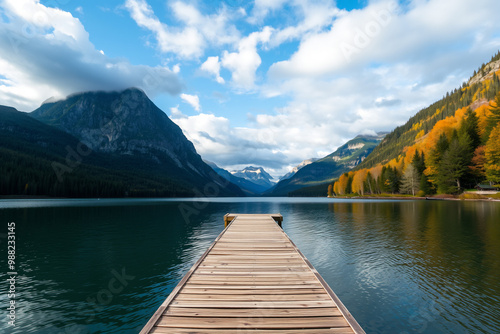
(399, 266)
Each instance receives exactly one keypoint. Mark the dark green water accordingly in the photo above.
(104, 266)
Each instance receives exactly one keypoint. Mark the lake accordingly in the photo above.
(104, 266)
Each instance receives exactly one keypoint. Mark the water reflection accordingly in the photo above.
(435, 263)
(399, 266)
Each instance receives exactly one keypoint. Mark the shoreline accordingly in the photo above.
(429, 198)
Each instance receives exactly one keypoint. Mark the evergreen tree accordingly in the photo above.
(419, 162)
(370, 183)
(348, 188)
(493, 119)
(492, 155)
(470, 127)
(425, 186)
(435, 157)
(454, 164)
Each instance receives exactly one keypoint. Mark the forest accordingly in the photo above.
(438, 151)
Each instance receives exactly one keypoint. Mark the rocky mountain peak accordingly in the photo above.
(125, 122)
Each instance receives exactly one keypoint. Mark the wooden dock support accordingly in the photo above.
(252, 278)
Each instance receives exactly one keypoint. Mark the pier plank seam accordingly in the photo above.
(263, 285)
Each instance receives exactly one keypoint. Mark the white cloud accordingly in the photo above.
(212, 66)
(46, 52)
(190, 40)
(193, 100)
(216, 140)
(262, 7)
(244, 63)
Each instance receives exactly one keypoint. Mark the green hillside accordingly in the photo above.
(477, 90)
(328, 168)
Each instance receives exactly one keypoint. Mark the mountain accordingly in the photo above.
(111, 136)
(445, 148)
(297, 168)
(248, 187)
(256, 175)
(330, 167)
(481, 88)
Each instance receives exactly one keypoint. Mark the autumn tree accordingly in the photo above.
(358, 181)
(330, 190)
(341, 184)
(410, 182)
(477, 164)
(492, 155)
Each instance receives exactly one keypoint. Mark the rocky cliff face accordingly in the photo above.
(129, 126)
(486, 73)
(125, 123)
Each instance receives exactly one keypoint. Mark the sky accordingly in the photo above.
(265, 83)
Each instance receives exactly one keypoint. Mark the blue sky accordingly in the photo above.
(264, 82)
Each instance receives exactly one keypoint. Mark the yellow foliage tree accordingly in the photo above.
(342, 184)
(358, 181)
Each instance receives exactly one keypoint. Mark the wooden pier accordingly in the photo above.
(252, 279)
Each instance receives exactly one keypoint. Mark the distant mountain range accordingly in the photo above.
(256, 175)
(101, 144)
(249, 188)
(327, 169)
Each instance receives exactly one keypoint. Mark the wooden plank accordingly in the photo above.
(251, 304)
(239, 297)
(164, 330)
(252, 291)
(253, 312)
(262, 323)
(217, 285)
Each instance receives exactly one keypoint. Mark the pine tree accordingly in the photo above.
(425, 186)
(348, 188)
(492, 155)
(469, 126)
(435, 157)
(493, 118)
(418, 162)
(454, 164)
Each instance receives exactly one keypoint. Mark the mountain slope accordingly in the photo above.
(446, 148)
(297, 168)
(481, 88)
(125, 134)
(37, 159)
(330, 167)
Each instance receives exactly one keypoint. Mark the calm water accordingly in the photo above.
(89, 266)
